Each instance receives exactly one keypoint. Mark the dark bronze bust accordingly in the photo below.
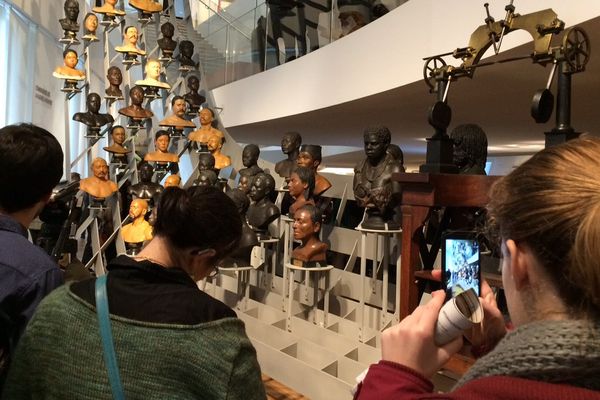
(470, 149)
(145, 189)
(92, 118)
(69, 24)
(241, 256)
(250, 156)
(262, 211)
(166, 43)
(310, 157)
(186, 51)
(374, 188)
(114, 78)
(290, 145)
(135, 111)
(193, 98)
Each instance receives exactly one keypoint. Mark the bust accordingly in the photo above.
(69, 24)
(206, 162)
(173, 181)
(244, 184)
(68, 71)
(90, 24)
(470, 149)
(135, 111)
(206, 130)
(373, 186)
(214, 146)
(98, 185)
(108, 9)
(262, 211)
(250, 155)
(206, 178)
(193, 98)
(241, 255)
(310, 156)
(186, 51)
(161, 144)
(290, 145)
(139, 230)
(117, 148)
(92, 118)
(145, 189)
(153, 75)
(146, 6)
(301, 186)
(176, 120)
(166, 43)
(130, 39)
(114, 78)
(307, 224)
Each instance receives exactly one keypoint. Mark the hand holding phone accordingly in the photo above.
(461, 267)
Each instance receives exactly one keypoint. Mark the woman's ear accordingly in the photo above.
(521, 263)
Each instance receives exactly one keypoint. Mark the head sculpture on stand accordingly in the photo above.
(90, 24)
(307, 225)
(470, 149)
(310, 156)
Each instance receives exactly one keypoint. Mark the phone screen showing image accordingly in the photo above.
(461, 267)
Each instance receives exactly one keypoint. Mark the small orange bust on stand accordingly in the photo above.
(139, 230)
(98, 185)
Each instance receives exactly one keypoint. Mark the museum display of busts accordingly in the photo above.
(310, 157)
(92, 118)
(307, 224)
(250, 155)
(373, 186)
(186, 52)
(98, 185)
(206, 131)
(161, 154)
(470, 149)
(108, 9)
(152, 77)
(129, 47)
(262, 211)
(90, 24)
(193, 98)
(118, 150)
(69, 24)
(214, 147)
(68, 71)
(146, 6)
(176, 120)
(240, 256)
(135, 111)
(173, 181)
(290, 146)
(139, 230)
(114, 78)
(301, 186)
(145, 189)
(166, 43)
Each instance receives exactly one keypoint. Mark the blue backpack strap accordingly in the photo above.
(110, 357)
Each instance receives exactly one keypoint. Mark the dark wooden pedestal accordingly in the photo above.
(420, 193)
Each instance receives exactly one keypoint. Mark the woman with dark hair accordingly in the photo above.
(546, 215)
(172, 341)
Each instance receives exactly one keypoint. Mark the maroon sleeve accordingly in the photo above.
(388, 380)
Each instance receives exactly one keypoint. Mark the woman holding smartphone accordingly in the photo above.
(546, 214)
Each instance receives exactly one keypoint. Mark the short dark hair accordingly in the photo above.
(67, 51)
(315, 212)
(307, 176)
(252, 148)
(313, 149)
(174, 99)
(198, 217)
(31, 164)
(382, 132)
(160, 132)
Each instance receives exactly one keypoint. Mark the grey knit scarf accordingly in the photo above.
(566, 352)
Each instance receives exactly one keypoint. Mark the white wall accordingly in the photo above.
(380, 56)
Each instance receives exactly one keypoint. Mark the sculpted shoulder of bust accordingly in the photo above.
(206, 130)
(117, 132)
(108, 8)
(290, 146)
(98, 185)
(68, 70)
(146, 5)
(130, 39)
(92, 117)
(177, 120)
(139, 230)
(135, 110)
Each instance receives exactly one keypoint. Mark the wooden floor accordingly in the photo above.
(277, 391)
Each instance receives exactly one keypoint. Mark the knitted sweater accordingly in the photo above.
(60, 357)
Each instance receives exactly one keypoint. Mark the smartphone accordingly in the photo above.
(461, 267)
